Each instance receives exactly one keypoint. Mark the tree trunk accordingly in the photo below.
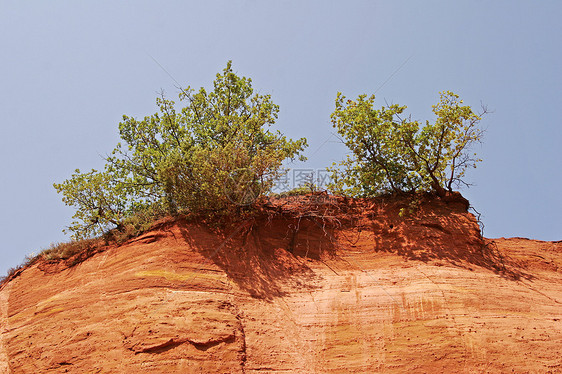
(441, 192)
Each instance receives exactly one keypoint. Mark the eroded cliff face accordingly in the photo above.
(317, 287)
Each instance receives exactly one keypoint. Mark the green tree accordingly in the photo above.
(190, 159)
(394, 154)
(99, 199)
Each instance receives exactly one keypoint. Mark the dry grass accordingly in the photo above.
(77, 251)
(64, 251)
(73, 252)
(15, 271)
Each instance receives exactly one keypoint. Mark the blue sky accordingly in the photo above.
(70, 70)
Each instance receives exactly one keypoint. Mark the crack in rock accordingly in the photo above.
(173, 343)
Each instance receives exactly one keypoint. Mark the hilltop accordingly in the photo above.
(312, 284)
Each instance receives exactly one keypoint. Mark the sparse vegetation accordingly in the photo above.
(305, 189)
(28, 261)
(76, 251)
(64, 251)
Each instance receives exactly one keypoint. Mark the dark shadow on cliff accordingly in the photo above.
(439, 230)
(268, 255)
(263, 257)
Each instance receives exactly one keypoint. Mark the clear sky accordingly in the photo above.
(70, 69)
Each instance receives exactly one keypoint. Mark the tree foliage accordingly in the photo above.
(390, 153)
(190, 159)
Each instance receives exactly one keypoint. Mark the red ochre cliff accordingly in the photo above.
(330, 286)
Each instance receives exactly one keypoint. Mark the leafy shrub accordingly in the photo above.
(181, 160)
(394, 154)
